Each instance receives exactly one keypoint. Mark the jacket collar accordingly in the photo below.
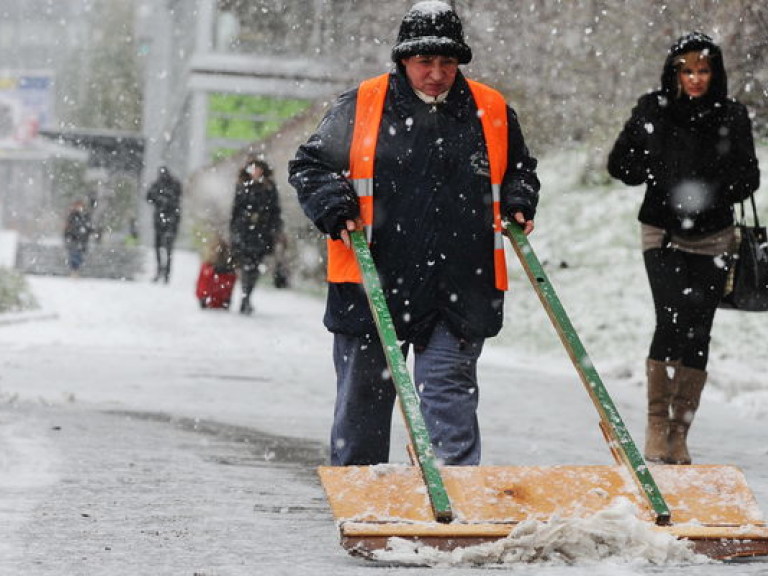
(406, 103)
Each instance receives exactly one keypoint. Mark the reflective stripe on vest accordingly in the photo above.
(342, 266)
(492, 111)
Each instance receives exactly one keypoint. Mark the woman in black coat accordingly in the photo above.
(255, 225)
(77, 232)
(692, 147)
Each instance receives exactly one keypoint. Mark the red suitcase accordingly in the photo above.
(214, 289)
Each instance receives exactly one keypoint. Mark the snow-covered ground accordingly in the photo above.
(142, 435)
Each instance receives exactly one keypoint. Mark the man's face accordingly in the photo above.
(431, 75)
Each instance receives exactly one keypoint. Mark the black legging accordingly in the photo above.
(249, 258)
(686, 291)
(249, 276)
(164, 240)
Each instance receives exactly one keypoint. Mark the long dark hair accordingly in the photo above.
(244, 176)
(695, 42)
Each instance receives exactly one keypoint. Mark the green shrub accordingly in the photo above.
(15, 294)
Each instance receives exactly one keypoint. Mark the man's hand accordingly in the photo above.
(526, 225)
(350, 226)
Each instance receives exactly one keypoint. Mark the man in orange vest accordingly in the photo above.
(428, 163)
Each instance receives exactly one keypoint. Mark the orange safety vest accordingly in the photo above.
(492, 110)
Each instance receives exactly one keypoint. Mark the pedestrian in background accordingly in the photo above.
(77, 233)
(428, 163)
(217, 275)
(693, 149)
(165, 197)
(255, 226)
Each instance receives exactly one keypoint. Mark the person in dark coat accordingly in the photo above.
(255, 226)
(693, 149)
(431, 231)
(77, 233)
(165, 196)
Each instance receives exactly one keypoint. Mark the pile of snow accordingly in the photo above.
(614, 534)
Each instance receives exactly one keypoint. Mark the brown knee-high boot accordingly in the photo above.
(688, 385)
(659, 402)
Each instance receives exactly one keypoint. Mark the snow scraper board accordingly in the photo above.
(449, 507)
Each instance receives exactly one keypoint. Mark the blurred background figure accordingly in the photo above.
(165, 196)
(217, 276)
(255, 226)
(77, 232)
(281, 275)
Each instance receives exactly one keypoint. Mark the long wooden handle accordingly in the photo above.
(619, 440)
(406, 391)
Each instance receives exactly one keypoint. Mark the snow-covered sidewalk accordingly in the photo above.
(142, 435)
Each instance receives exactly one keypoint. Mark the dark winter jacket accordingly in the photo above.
(432, 230)
(695, 156)
(165, 196)
(77, 230)
(256, 220)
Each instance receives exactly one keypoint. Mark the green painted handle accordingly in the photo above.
(406, 391)
(620, 441)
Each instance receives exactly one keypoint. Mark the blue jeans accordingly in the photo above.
(75, 259)
(445, 375)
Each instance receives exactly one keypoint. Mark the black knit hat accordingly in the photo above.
(431, 28)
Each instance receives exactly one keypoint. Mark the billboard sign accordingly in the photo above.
(26, 105)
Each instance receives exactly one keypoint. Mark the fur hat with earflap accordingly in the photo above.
(431, 28)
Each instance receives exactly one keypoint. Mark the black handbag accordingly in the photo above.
(747, 285)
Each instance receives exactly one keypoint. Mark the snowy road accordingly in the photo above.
(141, 435)
(125, 494)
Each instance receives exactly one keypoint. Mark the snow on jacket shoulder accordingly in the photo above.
(629, 158)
